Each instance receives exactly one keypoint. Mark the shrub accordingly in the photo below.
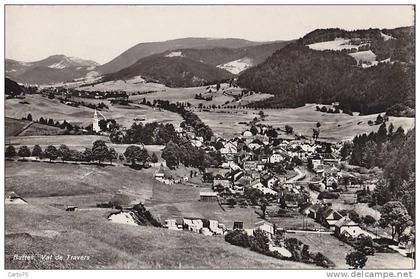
(10, 151)
(356, 259)
(321, 260)
(259, 242)
(369, 220)
(238, 238)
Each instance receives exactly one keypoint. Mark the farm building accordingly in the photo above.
(208, 196)
(13, 198)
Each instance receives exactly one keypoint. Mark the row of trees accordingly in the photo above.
(99, 152)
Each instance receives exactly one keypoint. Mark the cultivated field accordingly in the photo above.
(43, 226)
(334, 127)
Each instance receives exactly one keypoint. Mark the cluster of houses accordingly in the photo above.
(342, 226)
(214, 228)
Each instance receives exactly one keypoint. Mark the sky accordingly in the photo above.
(101, 33)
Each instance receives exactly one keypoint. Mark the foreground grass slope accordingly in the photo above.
(43, 227)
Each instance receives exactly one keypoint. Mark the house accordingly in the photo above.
(171, 224)
(264, 189)
(330, 217)
(208, 196)
(13, 198)
(250, 166)
(255, 144)
(276, 158)
(265, 227)
(194, 225)
(164, 175)
(236, 175)
(247, 134)
(348, 227)
(72, 208)
(220, 180)
(268, 180)
(215, 227)
(229, 148)
(238, 225)
(330, 181)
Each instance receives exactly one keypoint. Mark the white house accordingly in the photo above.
(265, 227)
(276, 157)
(229, 148)
(348, 227)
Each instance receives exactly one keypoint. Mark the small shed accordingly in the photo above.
(208, 196)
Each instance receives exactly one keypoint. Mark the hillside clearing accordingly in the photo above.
(334, 127)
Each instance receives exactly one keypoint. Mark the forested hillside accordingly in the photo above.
(297, 74)
(394, 152)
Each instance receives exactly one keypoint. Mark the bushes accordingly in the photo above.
(259, 242)
(238, 238)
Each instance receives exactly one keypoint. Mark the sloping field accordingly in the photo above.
(51, 108)
(39, 179)
(38, 230)
(334, 127)
(14, 127)
(43, 226)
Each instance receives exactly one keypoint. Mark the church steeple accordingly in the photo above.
(95, 124)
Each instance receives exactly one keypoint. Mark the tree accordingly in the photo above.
(253, 130)
(395, 214)
(37, 151)
(318, 124)
(263, 205)
(100, 151)
(10, 151)
(24, 151)
(103, 125)
(154, 158)
(356, 259)
(171, 154)
(112, 155)
(51, 152)
(289, 129)
(238, 238)
(261, 114)
(64, 152)
(259, 242)
(87, 155)
(218, 86)
(135, 154)
(315, 134)
(29, 117)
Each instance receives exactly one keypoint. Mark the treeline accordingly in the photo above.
(99, 153)
(190, 118)
(297, 75)
(392, 151)
(68, 127)
(150, 133)
(190, 156)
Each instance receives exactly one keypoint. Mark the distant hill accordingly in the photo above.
(196, 66)
(55, 68)
(220, 57)
(142, 50)
(364, 70)
(174, 71)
